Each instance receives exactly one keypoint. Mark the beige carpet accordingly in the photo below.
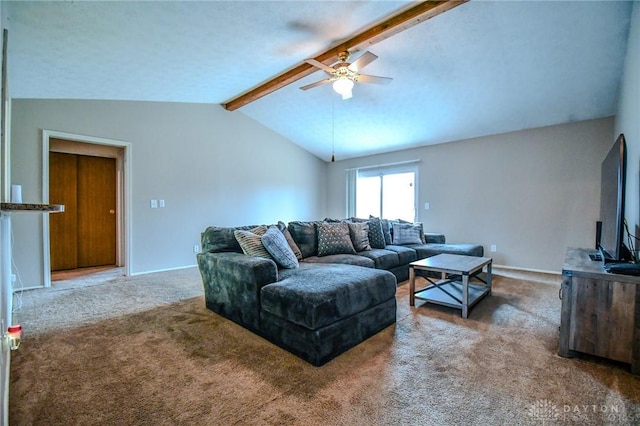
(161, 358)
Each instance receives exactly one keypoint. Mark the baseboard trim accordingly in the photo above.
(506, 267)
(163, 270)
(519, 269)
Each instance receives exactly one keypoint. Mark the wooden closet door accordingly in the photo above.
(96, 211)
(63, 227)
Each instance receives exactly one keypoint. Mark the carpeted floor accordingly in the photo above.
(145, 351)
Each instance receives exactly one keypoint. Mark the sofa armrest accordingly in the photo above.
(232, 284)
(434, 238)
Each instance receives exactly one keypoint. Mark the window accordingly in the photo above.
(386, 192)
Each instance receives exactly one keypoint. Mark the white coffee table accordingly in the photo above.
(454, 289)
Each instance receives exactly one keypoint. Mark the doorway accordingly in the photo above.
(84, 235)
(90, 177)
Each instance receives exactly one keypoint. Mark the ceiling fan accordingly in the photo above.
(343, 74)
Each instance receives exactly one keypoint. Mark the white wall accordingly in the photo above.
(628, 120)
(211, 166)
(532, 193)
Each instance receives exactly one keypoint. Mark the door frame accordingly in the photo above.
(123, 203)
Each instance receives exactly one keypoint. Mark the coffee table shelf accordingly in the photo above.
(454, 289)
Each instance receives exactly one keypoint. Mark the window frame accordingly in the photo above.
(409, 167)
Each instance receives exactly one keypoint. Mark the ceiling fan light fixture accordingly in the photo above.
(343, 86)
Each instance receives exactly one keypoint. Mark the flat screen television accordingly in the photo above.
(612, 193)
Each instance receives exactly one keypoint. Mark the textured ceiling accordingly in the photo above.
(483, 68)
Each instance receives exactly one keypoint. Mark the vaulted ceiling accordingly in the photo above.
(481, 68)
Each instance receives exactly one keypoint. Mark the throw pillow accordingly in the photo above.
(259, 230)
(423, 238)
(359, 233)
(334, 238)
(376, 234)
(386, 229)
(251, 244)
(407, 233)
(292, 243)
(276, 244)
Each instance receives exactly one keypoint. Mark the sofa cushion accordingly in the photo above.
(428, 250)
(276, 244)
(334, 238)
(346, 259)
(383, 259)
(407, 233)
(221, 239)
(251, 243)
(292, 243)
(376, 234)
(359, 233)
(305, 236)
(333, 220)
(317, 295)
(434, 238)
(357, 219)
(405, 254)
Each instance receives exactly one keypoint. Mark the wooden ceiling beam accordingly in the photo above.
(380, 31)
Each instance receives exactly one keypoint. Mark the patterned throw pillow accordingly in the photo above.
(386, 229)
(407, 233)
(276, 244)
(423, 238)
(259, 230)
(334, 238)
(251, 243)
(376, 234)
(359, 233)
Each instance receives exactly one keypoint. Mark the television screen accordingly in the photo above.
(612, 194)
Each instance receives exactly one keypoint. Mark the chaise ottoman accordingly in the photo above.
(319, 311)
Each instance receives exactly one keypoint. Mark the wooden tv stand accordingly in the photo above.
(600, 311)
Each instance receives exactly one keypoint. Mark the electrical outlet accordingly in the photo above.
(160, 203)
(426, 206)
(493, 247)
(196, 248)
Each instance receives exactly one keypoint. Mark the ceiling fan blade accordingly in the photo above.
(362, 61)
(364, 78)
(318, 64)
(317, 83)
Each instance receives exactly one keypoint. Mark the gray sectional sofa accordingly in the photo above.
(317, 288)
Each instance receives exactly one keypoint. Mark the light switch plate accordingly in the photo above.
(154, 204)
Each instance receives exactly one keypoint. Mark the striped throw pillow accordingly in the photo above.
(251, 243)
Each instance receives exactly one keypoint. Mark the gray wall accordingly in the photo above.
(531, 193)
(213, 167)
(628, 120)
